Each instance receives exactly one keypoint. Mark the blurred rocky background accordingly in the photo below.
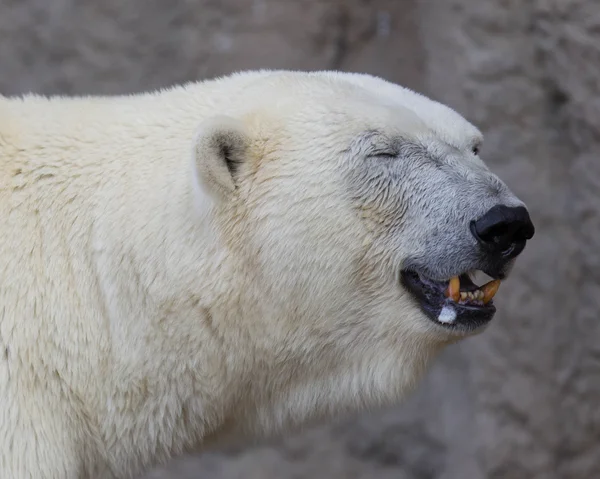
(520, 401)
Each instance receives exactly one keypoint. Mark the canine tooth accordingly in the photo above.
(480, 295)
(489, 290)
(454, 289)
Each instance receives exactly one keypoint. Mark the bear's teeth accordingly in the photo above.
(489, 290)
(483, 294)
(453, 290)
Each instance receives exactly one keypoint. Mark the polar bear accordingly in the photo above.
(231, 258)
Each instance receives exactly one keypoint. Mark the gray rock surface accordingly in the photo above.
(521, 400)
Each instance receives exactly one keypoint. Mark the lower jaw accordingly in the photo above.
(456, 316)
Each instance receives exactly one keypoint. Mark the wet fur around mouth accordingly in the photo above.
(431, 299)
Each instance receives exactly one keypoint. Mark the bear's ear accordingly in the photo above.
(220, 147)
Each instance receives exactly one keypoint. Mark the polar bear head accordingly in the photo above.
(354, 213)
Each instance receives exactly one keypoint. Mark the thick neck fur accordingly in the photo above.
(158, 357)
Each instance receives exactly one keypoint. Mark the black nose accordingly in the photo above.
(504, 229)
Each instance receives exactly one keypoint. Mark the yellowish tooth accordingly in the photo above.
(471, 296)
(453, 290)
(479, 295)
(489, 290)
(463, 296)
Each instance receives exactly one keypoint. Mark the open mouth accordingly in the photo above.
(452, 303)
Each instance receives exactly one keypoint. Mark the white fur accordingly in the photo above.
(146, 306)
